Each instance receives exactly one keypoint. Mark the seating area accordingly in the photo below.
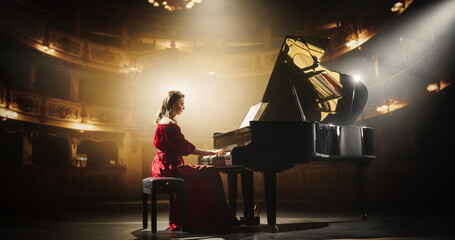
(153, 186)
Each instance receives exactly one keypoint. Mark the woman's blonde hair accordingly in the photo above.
(166, 107)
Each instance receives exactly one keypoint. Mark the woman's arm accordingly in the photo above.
(203, 152)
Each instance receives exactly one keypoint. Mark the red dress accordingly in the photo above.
(207, 210)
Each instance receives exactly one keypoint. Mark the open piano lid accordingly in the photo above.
(301, 89)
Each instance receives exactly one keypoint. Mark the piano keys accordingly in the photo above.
(306, 114)
(215, 160)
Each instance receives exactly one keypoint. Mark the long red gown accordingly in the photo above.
(207, 210)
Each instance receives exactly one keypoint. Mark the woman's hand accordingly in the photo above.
(218, 151)
(203, 152)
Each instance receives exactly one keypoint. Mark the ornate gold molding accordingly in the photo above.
(85, 53)
(30, 107)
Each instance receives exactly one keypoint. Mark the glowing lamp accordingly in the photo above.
(433, 87)
(357, 77)
(353, 43)
(383, 109)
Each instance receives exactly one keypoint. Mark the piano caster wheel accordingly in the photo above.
(364, 216)
(274, 228)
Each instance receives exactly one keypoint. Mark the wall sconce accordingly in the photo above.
(353, 43)
(433, 87)
(383, 109)
(397, 6)
(172, 46)
(391, 106)
(48, 49)
(437, 86)
(172, 5)
(134, 70)
(400, 6)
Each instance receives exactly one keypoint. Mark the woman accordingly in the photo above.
(207, 210)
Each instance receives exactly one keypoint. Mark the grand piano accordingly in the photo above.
(306, 114)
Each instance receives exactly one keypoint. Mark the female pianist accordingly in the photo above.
(207, 210)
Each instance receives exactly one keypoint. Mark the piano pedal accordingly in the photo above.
(240, 222)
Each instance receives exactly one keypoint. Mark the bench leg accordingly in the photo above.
(171, 203)
(153, 209)
(144, 211)
(183, 212)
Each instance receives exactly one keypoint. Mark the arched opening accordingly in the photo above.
(50, 151)
(98, 154)
(10, 148)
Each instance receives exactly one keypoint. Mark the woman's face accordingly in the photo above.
(179, 106)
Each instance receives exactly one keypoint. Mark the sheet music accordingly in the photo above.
(253, 114)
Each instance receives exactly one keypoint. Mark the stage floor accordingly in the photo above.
(111, 221)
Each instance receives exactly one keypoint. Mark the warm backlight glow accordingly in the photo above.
(433, 87)
(352, 44)
(392, 106)
(174, 4)
(357, 77)
(400, 6)
(443, 84)
(7, 114)
(383, 109)
(48, 49)
(439, 86)
(83, 127)
(396, 7)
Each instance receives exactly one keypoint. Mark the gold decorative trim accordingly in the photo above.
(59, 110)
(68, 45)
(24, 103)
(29, 107)
(79, 51)
(105, 56)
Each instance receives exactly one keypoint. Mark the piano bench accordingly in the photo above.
(168, 185)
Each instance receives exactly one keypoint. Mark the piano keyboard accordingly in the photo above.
(216, 160)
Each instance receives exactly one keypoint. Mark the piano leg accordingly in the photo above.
(232, 191)
(248, 198)
(361, 186)
(270, 196)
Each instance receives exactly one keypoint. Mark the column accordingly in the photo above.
(73, 143)
(74, 84)
(130, 154)
(32, 82)
(27, 149)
